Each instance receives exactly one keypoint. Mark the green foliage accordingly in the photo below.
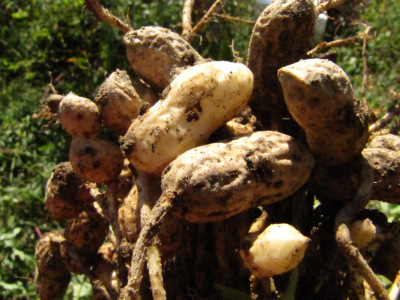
(382, 52)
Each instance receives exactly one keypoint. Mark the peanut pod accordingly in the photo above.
(158, 54)
(320, 98)
(281, 36)
(199, 100)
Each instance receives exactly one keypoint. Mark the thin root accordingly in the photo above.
(342, 222)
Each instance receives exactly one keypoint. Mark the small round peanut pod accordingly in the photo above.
(96, 160)
(129, 216)
(118, 101)
(277, 250)
(66, 195)
(200, 100)
(157, 54)
(79, 116)
(362, 232)
(386, 169)
(216, 181)
(320, 97)
(48, 256)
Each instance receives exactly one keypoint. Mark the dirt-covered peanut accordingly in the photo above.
(86, 232)
(48, 256)
(281, 36)
(118, 101)
(53, 101)
(386, 168)
(79, 116)
(277, 250)
(66, 195)
(84, 235)
(200, 100)
(321, 99)
(216, 181)
(96, 160)
(387, 141)
(157, 54)
(51, 288)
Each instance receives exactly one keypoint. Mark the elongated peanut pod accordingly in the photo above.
(200, 100)
(281, 36)
(320, 97)
(158, 54)
(216, 181)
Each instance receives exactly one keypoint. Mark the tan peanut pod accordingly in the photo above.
(320, 97)
(387, 141)
(281, 36)
(66, 195)
(277, 250)
(79, 116)
(84, 235)
(118, 101)
(86, 232)
(48, 256)
(158, 54)
(129, 216)
(96, 160)
(386, 168)
(199, 100)
(216, 181)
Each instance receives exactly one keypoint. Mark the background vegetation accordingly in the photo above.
(43, 42)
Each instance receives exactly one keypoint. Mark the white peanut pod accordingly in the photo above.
(200, 100)
(277, 250)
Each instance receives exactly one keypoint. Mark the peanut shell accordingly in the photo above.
(216, 181)
(281, 36)
(320, 98)
(158, 54)
(79, 116)
(66, 195)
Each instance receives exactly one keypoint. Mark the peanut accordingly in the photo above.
(320, 98)
(79, 116)
(157, 54)
(281, 36)
(118, 101)
(216, 181)
(200, 100)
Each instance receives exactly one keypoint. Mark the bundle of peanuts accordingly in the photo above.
(222, 175)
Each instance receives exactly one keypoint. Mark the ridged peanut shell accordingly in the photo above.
(158, 54)
(216, 181)
(118, 101)
(387, 141)
(281, 36)
(386, 169)
(320, 97)
(66, 194)
(199, 100)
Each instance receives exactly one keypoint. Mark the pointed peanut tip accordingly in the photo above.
(277, 250)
